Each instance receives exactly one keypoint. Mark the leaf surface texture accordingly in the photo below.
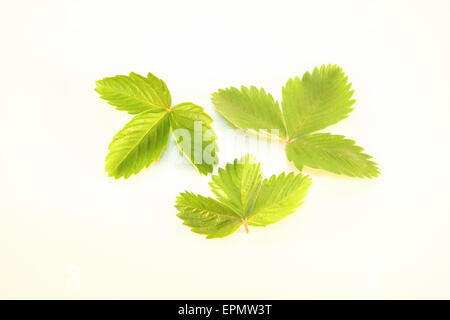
(138, 144)
(243, 198)
(134, 93)
(249, 108)
(195, 136)
(144, 138)
(319, 99)
(333, 153)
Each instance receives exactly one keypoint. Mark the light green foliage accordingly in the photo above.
(333, 153)
(318, 100)
(134, 93)
(207, 216)
(200, 144)
(138, 144)
(238, 185)
(278, 198)
(242, 108)
(243, 198)
(144, 138)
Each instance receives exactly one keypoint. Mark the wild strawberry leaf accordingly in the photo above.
(279, 197)
(333, 153)
(194, 136)
(138, 144)
(134, 93)
(144, 138)
(238, 184)
(249, 108)
(314, 102)
(207, 216)
(318, 100)
(243, 198)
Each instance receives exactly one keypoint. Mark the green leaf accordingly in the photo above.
(207, 216)
(135, 93)
(332, 153)
(144, 138)
(316, 101)
(238, 184)
(279, 197)
(138, 144)
(161, 90)
(249, 108)
(243, 198)
(194, 135)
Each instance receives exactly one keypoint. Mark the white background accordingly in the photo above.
(69, 231)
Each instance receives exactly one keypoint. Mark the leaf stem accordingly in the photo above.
(246, 226)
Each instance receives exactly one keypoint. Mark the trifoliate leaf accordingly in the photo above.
(333, 153)
(249, 108)
(194, 135)
(135, 93)
(144, 138)
(318, 100)
(138, 144)
(243, 198)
